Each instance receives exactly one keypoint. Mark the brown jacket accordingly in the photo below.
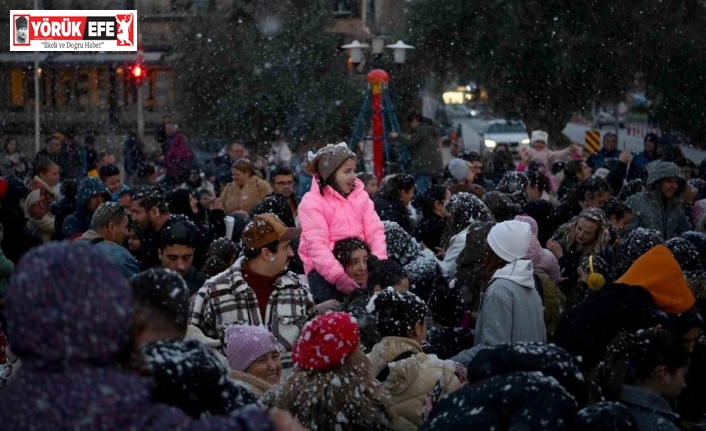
(237, 198)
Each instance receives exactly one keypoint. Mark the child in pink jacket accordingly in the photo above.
(335, 208)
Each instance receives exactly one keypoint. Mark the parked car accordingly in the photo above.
(512, 133)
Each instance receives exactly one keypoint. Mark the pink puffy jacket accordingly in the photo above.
(330, 218)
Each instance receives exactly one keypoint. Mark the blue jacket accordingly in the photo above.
(80, 220)
(599, 158)
(118, 255)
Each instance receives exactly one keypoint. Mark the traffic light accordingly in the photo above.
(138, 73)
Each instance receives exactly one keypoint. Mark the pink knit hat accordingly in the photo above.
(244, 344)
(532, 222)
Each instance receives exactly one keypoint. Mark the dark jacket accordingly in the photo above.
(428, 231)
(447, 342)
(394, 210)
(194, 280)
(80, 221)
(73, 160)
(422, 144)
(197, 386)
(61, 209)
(521, 400)
(470, 276)
(70, 325)
(356, 304)
(598, 158)
(17, 238)
(651, 411)
(649, 210)
(588, 328)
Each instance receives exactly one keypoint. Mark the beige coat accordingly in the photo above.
(411, 379)
(237, 198)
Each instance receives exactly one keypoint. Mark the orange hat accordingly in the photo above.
(659, 273)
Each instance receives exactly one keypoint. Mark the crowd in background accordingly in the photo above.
(524, 288)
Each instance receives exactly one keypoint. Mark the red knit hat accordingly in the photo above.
(326, 342)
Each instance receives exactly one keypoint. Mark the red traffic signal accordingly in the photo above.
(138, 73)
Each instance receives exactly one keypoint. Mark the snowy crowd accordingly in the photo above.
(530, 290)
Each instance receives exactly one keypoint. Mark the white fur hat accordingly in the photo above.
(540, 135)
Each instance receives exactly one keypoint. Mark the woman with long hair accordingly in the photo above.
(432, 204)
(392, 200)
(584, 236)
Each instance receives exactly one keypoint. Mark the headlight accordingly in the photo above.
(525, 141)
(490, 143)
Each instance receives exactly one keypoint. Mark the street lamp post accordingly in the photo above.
(356, 49)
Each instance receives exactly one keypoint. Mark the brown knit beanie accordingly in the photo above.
(328, 159)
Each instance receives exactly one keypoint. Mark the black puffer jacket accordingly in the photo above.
(394, 210)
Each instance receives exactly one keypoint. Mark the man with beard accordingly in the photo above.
(258, 289)
(660, 206)
(150, 212)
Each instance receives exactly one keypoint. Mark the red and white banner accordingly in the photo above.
(73, 30)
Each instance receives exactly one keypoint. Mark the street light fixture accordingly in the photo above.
(356, 51)
(400, 50)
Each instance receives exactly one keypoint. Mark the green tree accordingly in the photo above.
(267, 65)
(543, 61)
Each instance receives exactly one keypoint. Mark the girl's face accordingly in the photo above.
(134, 243)
(11, 147)
(539, 145)
(193, 203)
(51, 176)
(371, 187)
(345, 176)
(406, 196)
(586, 231)
(532, 193)
(440, 207)
(357, 267)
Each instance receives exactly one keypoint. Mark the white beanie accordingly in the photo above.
(510, 240)
(539, 135)
(458, 168)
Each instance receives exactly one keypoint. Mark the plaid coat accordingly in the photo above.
(226, 299)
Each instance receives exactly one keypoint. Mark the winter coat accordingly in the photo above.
(395, 211)
(254, 385)
(187, 375)
(179, 158)
(423, 147)
(80, 221)
(649, 209)
(456, 246)
(410, 379)
(226, 299)
(546, 156)
(328, 218)
(37, 209)
(118, 255)
(597, 159)
(356, 305)
(427, 232)
(445, 342)
(587, 329)
(70, 325)
(13, 165)
(470, 274)
(638, 165)
(511, 309)
(245, 198)
(61, 209)
(17, 239)
(194, 279)
(651, 411)
(522, 400)
(421, 266)
(554, 302)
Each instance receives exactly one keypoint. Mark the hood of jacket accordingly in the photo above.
(63, 297)
(662, 170)
(90, 186)
(667, 286)
(519, 272)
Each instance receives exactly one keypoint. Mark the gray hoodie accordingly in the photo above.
(511, 309)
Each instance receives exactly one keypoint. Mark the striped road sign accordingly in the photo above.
(593, 141)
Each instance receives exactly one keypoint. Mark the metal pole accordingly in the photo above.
(140, 92)
(37, 100)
